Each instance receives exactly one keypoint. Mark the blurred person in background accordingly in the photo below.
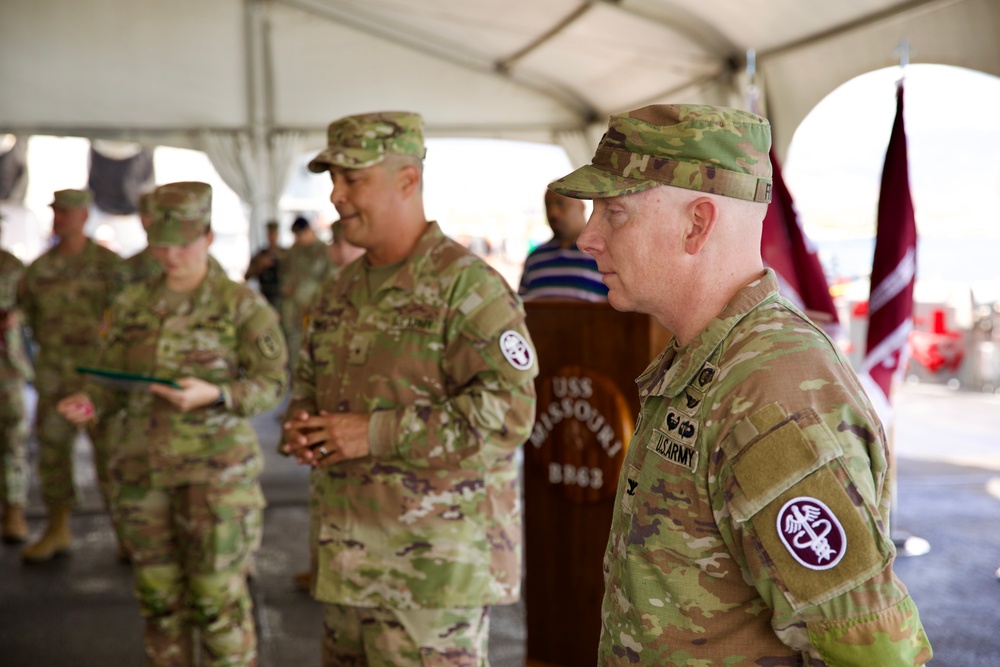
(186, 476)
(265, 266)
(64, 295)
(558, 269)
(305, 266)
(14, 371)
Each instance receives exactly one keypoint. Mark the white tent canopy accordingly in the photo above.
(253, 82)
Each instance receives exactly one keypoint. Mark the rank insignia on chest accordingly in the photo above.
(357, 352)
(673, 451)
(705, 376)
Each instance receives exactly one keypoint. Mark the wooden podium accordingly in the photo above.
(589, 356)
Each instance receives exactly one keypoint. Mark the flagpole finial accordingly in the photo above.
(903, 51)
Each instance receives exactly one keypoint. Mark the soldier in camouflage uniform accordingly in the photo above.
(751, 523)
(14, 369)
(64, 296)
(302, 269)
(265, 266)
(185, 477)
(143, 266)
(412, 395)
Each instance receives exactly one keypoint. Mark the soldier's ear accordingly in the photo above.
(408, 178)
(702, 214)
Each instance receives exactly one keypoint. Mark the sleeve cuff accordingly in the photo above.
(381, 434)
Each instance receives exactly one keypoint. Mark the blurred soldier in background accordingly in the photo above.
(265, 266)
(187, 494)
(64, 296)
(14, 370)
(305, 266)
(142, 266)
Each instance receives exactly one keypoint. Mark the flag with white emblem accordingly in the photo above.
(894, 268)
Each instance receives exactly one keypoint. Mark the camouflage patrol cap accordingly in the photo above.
(356, 142)
(710, 149)
(182, 212)
(65, 199)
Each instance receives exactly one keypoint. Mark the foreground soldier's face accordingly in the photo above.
(68, 221)
(632, 238)
(184, 261)
(364, 199)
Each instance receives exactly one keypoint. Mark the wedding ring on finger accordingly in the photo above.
(322, 451)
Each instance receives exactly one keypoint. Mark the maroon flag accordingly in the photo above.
(785, 248)
(894, 269)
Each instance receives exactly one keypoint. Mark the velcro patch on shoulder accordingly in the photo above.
(488, 320)
(779, 458)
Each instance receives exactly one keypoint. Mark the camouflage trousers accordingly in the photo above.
(56, 438)
(373, 637)
(293, 338)
(13, 443)
(105, 435)
(191, 550)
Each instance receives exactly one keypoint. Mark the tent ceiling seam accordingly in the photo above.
(894, 14)
(450, 52)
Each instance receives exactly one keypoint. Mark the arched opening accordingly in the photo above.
(833, 171)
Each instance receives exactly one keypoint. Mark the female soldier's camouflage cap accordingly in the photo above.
(66, 199)
(710, 149)
(182, 212)
(364, 140)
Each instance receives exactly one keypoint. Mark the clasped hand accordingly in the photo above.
(325, 439)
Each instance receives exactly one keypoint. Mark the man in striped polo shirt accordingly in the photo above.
(557, 269)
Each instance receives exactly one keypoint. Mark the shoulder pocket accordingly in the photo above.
(818, 537)
(778, 459)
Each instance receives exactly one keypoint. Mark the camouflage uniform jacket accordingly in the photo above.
(751, 522)
(302, 270)
(223, 333)
(65, 300)
(432, 517)
(142, 266)
(13, 361)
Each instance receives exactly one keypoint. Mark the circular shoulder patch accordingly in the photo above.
(516, 350)
(268, 344)
(812, 533)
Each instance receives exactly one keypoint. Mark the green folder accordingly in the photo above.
(123, 381)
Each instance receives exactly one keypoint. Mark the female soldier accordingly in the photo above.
(185, 476)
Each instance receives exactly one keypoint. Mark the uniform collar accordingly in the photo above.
(675, 367)
(406, 276)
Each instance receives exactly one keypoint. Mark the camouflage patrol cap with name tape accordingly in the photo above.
(66, 199)
(364, 140)
(706, 148)
(182, 212)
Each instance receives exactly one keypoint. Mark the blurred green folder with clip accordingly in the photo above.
(123, 381)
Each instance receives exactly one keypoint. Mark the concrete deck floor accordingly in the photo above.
(78, 611)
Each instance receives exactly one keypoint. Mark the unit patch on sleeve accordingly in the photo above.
(516, 350)
(811, 533)
(673, 451)
(268, 344)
